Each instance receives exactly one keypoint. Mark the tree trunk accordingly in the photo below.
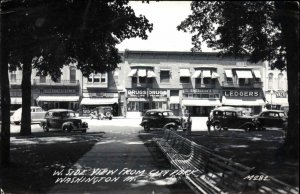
(5, 99)
(26, 96)
(290, 30)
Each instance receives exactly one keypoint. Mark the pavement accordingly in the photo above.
(123, 148)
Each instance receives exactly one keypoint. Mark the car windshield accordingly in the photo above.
(68, 114)
(168, 113)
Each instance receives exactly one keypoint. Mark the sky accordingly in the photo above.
(165, 16)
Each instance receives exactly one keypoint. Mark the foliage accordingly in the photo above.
(57, 32)
(238, 28)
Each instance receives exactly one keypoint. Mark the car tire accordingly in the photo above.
(146, 127)
(225, 128)
(217, 126)
(110, 118)
(45, 127)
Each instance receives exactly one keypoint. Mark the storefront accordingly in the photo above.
(141, 100)
(276, 100)
(93, 100)
(53, 98)
(199, 102)
(250, 99)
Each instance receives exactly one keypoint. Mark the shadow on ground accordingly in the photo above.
(34, 159)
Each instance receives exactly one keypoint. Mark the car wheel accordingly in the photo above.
(146, 127)
(225, 128)
(249, 127)
(217, 126)
(110, 118)
(45, 127)
(69, 129)
(83, 131)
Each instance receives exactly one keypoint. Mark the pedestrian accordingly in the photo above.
(208, 124)
(189, 125)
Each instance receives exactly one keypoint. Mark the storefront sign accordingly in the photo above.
(281, 95)
(59, 91)
(143, 93)
(243, 93)
(200, 91)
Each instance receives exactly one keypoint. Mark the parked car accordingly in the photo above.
(231, 117)
(157, 118)
(101, 112)
(271, 118)
(37, 115)
(63, 119)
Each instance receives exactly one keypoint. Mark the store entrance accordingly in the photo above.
(64, 105)
(199, 111)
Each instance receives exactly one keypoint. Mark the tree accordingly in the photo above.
(48, 34)
(258, 30)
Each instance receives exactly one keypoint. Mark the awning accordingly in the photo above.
(159, 99)
(142, 73)
(206, 74)
(132, 72)
(274, 100)
(16, 100)
(235, 101)
(257, 74)
(174, 99)
(244, 74)
(228, 73)
(215, 75)
(58, 98)
(202, 102)
(98, 101)
(185, 73)
(151, 74)
(196, 74)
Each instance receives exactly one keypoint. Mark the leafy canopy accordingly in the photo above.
(237, 28)
(57, 32)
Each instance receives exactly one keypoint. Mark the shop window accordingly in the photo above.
(174, 106)
(150, 80)
(204, 95)
(164, 76)
(186, 95)
(196, 95)
(184, 79)
(90, 78)
(174, 92)
(216, 95)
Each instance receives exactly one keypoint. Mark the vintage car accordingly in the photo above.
(271, 119)
(101, 112)
(37, 115)
(230, 117)
(63, 119)
(157, 118)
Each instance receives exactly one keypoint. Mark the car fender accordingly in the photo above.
(144, 122)
(68, 124)
(171, 124)
(248, 124)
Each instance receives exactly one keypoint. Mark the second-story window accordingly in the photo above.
(165, 76)
(72, 74)
(97, 78)
(280, 81)
(42, 79)
(103, 78)
(13, 76)
(185, 76)
(270, 81)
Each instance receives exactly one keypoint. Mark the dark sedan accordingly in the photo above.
(63, 119)
(271, 119)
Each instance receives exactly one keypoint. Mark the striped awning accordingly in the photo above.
(257, 73)
(151, 74)
(196, 74)
(206, 74)
(132, 72)
(228, 73)
(185, 73)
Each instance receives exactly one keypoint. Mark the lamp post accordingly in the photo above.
(271, 92)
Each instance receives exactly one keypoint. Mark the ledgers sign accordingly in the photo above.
(241, 93)
(144, 93)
